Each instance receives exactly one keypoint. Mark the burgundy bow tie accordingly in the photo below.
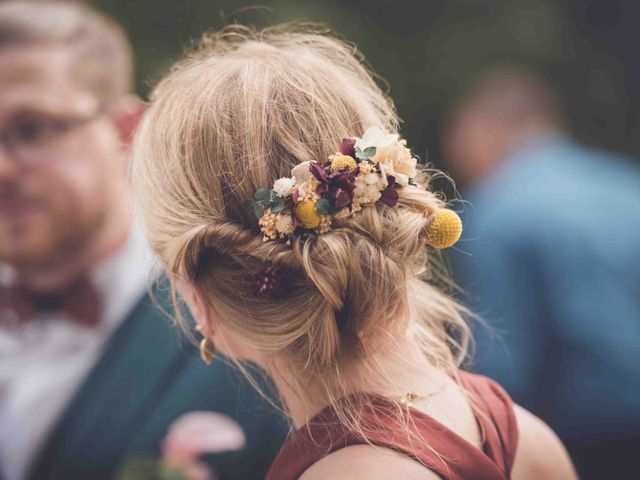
(79, 302)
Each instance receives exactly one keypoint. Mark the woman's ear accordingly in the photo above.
(198, 306)
(202, 313)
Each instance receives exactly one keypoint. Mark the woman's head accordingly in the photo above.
(235, 116)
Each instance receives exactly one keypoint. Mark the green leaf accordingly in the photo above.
(168, 473)
(366, 153)
(331, 199)
(141, 466)
(263, 195)
(277, 205)
(248, 206)
(322, 206)
(273, 196)
(258, 209)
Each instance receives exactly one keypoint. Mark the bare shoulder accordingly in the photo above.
(364, 462)
(540, 452)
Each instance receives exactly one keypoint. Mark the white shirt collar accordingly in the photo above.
(121, 279)
(42, 364)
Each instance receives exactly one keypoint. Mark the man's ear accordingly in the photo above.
(126, 116)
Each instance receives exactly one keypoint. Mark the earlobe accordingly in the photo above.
(197, 304)
(201, 312)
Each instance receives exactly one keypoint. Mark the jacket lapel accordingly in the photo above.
(141, 361)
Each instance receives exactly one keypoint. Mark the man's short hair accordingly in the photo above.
(102, 57)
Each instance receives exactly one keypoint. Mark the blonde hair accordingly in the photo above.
(101, 53)
(241, 111)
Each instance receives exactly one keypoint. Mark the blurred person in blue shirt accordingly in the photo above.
(550, 259)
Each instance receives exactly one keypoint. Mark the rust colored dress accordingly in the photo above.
(452, 457)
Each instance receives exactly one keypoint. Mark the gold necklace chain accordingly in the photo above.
(408, 399)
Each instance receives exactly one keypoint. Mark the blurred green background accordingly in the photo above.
(429, 50)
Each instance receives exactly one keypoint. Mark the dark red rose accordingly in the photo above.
(390, 195)
(348, 147)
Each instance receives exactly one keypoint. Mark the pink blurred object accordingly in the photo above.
(198, 433)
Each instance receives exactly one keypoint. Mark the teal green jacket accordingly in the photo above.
(146, 378)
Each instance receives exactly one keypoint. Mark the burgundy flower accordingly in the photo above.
(271, 283)
(343, 180)
(342, 183)
(348, 147)
(390, 195)
(343, 198)
(321, 172)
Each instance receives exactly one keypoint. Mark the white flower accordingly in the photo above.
(368, 193)
(395, 159)
(284, 224)
(373, 193)
(375, 137)
(371, 178)
(301, 172)
(283, 186)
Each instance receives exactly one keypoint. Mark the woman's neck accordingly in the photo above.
(405, 370)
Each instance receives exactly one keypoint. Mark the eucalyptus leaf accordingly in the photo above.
(322, 206)
(369, 152)
(263, 195)
(273, 196)
(258, 209)
(277, 205)
(248, 206)
(366, 153)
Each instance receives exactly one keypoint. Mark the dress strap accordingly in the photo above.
(439, 448)
(496, 416)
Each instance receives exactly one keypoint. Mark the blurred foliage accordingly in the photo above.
(428, 51)
(148, 468)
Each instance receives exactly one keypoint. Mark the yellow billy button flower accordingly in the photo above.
(343, 161)
(445, 229)
(307, 214)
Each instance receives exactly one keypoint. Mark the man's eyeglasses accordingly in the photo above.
(31, 141)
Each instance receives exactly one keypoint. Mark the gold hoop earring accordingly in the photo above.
(207, 350)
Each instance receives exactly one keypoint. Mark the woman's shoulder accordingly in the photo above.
(366, 462)
(532, 447)
(540, 452)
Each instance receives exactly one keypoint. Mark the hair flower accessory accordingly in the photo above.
(272, 282)
(364, 172)
(445, 229)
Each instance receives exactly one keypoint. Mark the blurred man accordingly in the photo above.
(553, 233)
(90, 371)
